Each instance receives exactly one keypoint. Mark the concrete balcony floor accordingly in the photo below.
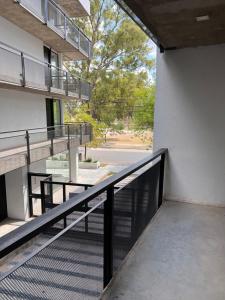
(180, 256)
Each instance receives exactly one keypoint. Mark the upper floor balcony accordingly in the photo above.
(24, 72)
(45, 20)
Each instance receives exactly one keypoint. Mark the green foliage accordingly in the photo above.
(120, 66)
(80, 114)
(118, 126)
(144, 113)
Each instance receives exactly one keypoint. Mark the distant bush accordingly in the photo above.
(118, 126)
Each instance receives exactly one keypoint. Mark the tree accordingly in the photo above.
(120, 63)
(79, 114)
(143, 116)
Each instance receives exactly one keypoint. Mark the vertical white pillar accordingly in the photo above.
(16, 193)
(73, 163)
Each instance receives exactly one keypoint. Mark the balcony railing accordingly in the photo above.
(89, 236)
(29, 72)
(23, 147)
(50, 13)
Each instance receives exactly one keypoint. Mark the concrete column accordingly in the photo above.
(73, 163)
(16, 192)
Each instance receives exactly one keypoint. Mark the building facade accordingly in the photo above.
(36, 38)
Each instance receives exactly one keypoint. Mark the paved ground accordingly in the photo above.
(181, 256)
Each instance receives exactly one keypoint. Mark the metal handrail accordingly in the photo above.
(40, 128)
(21, 235)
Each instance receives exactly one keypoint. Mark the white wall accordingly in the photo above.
(16, 193)
(14, 36)
(190, 121)
(20, 110)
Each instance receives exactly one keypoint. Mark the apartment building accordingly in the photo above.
(36, 38)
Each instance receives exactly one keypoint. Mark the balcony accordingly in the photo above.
(45, 20)
(23, 147)
(117, 240)
(88, 236)
(32, 75)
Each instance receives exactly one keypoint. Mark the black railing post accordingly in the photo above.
(23, 70)
(86, 209)
(68, 137)
(29, 181)
(42, 197)
(64, 200)
(28, 147)
(108, 236)
(51, 189)
(52, 144)
(161, 179)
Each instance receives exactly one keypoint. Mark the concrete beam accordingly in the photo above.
(75, 8)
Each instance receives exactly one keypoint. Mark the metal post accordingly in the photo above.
(50, 77)
(80, 93)
(108, 236)
(81, 134)
(65, 27)
(161, 179)
(52, 145)
(29, 180)
(51, 189)
(78, 39)
(89, 92)
(64, 200)
(28, 147)
(67, 84)
(86, 209)
(69, 152)
(23, 70)
(42, 197)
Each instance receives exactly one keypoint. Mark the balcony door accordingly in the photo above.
(3, 200)
(52, 76)
(53, 114)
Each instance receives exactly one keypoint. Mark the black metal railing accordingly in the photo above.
(45, 189)
(27, 142)
(31, 72)
(50, 13)
(89, 235)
